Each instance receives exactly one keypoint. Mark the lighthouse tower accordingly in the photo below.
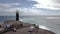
(17, 15)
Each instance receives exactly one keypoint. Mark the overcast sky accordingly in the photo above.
(30, 7)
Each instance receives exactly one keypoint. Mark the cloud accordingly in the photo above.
(7, 5)
(47, 7)
(10, 8)
(22, 11)
(56, 1)
(27, 11)
(23, 3)
(7, 8)
(48, 4)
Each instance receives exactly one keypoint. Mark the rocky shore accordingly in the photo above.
(26, 28)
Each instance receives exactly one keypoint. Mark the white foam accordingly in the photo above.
(44, 27)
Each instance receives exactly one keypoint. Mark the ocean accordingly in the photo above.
(48, 24)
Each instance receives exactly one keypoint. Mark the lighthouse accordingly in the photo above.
(17, 15)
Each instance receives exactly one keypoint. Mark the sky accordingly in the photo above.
(29, 7)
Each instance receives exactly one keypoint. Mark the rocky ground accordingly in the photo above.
(26, 31)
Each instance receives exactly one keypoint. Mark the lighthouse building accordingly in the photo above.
(16, 23)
